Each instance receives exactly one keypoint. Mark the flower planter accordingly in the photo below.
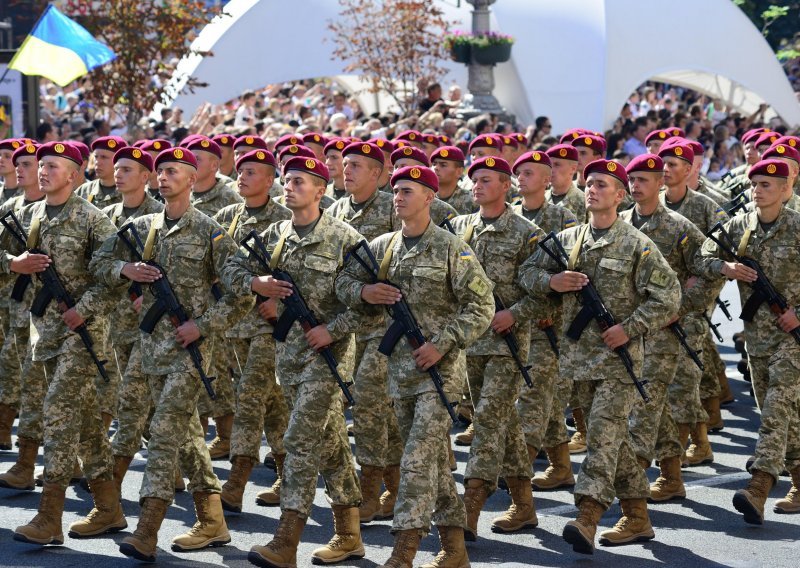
(460, 53)
(493, 54)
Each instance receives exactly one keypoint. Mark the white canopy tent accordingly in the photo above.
(576, 61)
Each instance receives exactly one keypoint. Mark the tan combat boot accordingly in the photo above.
(476, 492)
(45, 527)
(633, 526)
(558, 473)
(371, 478)
(210, 530)
(142, 544)
(580, 532)
(220, 446)
(281, 551)
(465, 411)
(7, 416)
(406, 544)
(522, 513)
(453, 553)
(106, 516)
(121, 465)
(233, 489)
(391, 481)
(271, 497)
(750, 501)
(20, 476)
(465, 438)
(668, 485)
(577, 444)
(790, 504)
(700, 450)
(346, 542)
(725, 395)
(711, 406)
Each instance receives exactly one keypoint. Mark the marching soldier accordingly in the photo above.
(101, 192)
(448, 163)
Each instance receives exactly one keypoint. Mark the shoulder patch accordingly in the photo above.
(533, 238)
(569, 223)
(465, 255)
(684, 239)
(659, 278)
(645, 251)
(479, 286)
(720, 212)
(217, 235)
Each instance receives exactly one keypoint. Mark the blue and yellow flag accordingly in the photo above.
(59, 49)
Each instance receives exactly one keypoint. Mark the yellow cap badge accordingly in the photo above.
(204, 143)
(651, 163)
(415, 173)
(444, 153)
(662, 135)
(365, 148)
(490, 162)
(157, 145)
(380, 143)
(293, 140)
(260, 155)
(15, 144)
(293, 149)
(679, 151)
(676, 132)
(407, 150)
(489, 141)
(587, 140)
(311, 164)
(563, 152)
(339, 145)
(224, 139)
(316, 137)
(536, 157)
(136, 153)
(30, 148)
(771, 169)
(177, 154)
(792, 142)
(412, 136)
(575, 135)
(59, 148)
(506, 140)
(611, 166)
(780, 149)
(112, 143)
(248, 140)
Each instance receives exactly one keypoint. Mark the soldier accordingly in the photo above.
(387, 146)
(192, 248)
(589, 148)
(259, 402)
(430, 142)
(736, 181)
(311, 247)
(211, 192)
(501, 240)
(316, 142)
(448, 163)
(85, 152)
(9, 185)
(768, 235)
(642, 292)
(409, 156)
(333, 161)
(563, 190)
(226, 162)
(154, 148)
(410, 138)
(66, 227)
(101, 191)
(451, 297)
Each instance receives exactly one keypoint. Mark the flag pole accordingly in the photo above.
(33, 29)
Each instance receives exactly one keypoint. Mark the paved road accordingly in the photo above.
(701, 531)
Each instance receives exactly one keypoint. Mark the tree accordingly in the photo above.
(149, 38)
(777, 22)
(395, 44)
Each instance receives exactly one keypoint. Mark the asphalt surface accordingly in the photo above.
(703, 530)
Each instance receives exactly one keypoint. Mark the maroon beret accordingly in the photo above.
(572, 134)
(520, 138)
(288, 140)
(418, 174)
(180, 155)
(490, 163)
(657, 135)
(295, 150)
(24, 150)
(411, 153)
(137, 155)
(189, 139)
(452, 153)
(431, 139)
(677, 150)
(770, 168)
(793, 141)
(109, 143)
(224, 140)
(308, 165)
(365, 149)
(774, 151)
(767, 139)
(510, 141)
(251, 141)
(336, 144)
(157, 145)
(60, 150)
(412, 135)
(82, 148)
(696, 147)
(563, 152)
(10, 144)
(463, 145)
(645, 163)
(752, 135)
(534, 157)
(445, 140)
(487, 141)
(596, 143)
(608, 167)
(138, 143)
(386, 145)
(259, 157)
(204, 145)
(314, 138)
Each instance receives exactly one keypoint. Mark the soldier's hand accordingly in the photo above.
(140, 272)
(318, 337)
(615, 337)
(788, 321)
(268, 309)
(738, 271)
(73, 319)
(568, 281)
(426, 356)
(29, 263)
(503, 321)
(270, 287)
(137, 304)
(380, 294)
(187, 333)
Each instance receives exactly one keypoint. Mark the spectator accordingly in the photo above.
(635, 146)
(340, 106)
(246, 113)
(434, 96)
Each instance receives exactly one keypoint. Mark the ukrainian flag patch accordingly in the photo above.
(645, 251)
(532, 238)
(465, 255)
(684, 239)
(721, 213)
(569, 223)
(217, 235)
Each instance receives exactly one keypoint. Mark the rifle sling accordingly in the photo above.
(276, 254)
(33, 234)
(383, 271)
(746, 237)
(576, 249)
(158, 222)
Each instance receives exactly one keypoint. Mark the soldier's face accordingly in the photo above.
(56, 174)
(768, 191)
(26, 171)
(254, 179)
(482, 152)
(750, 152)
(654, 145)
(645, 186)
(410, 199)
(563, 172)
(175, 178)
(676, 171)
(429, 149)
(447, 171)
(104, 164)
(6, 166)
(585, 155)
(129, 176)
(333, 160)
(301, 190)
(488, 187)
(532, 178)
(207, 164)
(603, 193)
(360, 173)
(403, 162)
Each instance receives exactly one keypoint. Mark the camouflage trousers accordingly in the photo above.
(175, 428)
(316, 442)
(427, 488)
(72, 423)
(499, 445)
(684, 392)
(709, 382)
(12, 355)
(107, 392)
(610, 468)
(375, 429)
(653, 430)
(776, 384)
(259, 401)
(135, 403)
(536, 405)
(225, 368)
(33, 389)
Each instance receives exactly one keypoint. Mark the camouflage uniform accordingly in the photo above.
(461, 200)
(774, 356)
(441, 210)
(705, 188)
(72, 423)
(316, 439)
(92, 191)
(642, 292)
(259, 401)
(573, 200)
(494, 379)
(192, 252)
(451, 298)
